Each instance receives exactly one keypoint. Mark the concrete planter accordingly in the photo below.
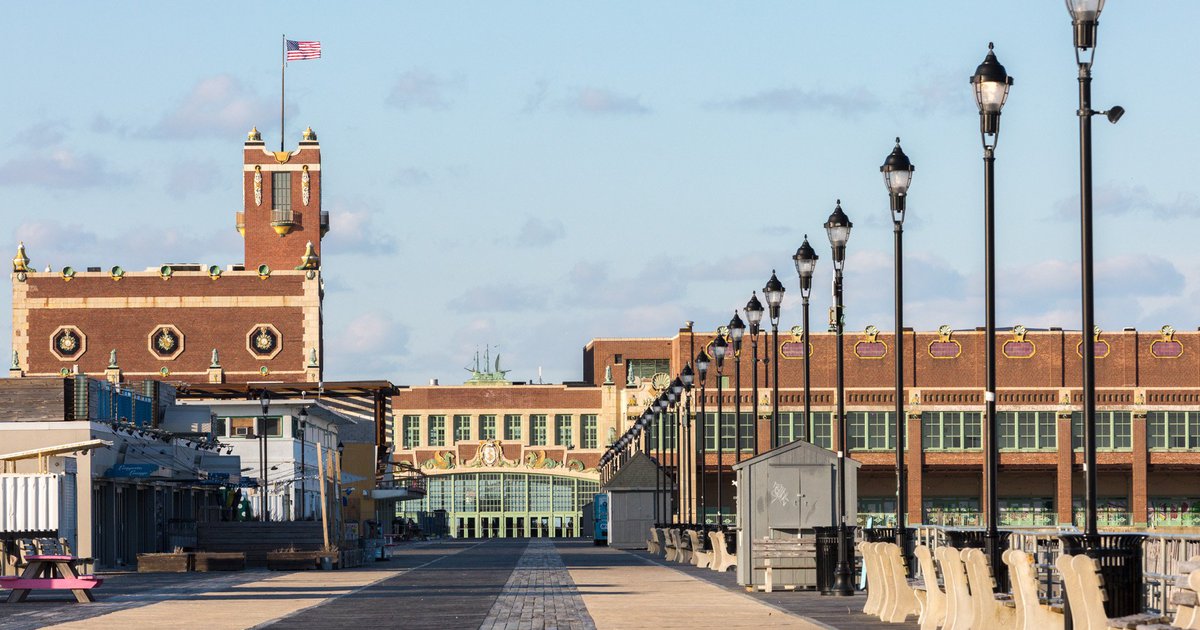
(297, 560)
(164, 562)
(214, 561)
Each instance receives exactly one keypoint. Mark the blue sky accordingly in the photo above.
(536, 174)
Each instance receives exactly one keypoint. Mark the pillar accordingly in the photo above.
(1064, 497)
(1140, 488)
(914, 461)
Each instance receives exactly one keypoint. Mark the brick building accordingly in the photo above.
(190, 322)
(1148, 415)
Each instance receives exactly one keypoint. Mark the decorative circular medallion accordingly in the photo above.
(165, 342)
(264, 341)
(68, 343)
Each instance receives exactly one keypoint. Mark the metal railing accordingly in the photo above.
(282, 217)
(1162, 553)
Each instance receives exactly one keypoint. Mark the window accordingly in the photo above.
(727, 432)
(218, 426)
(411, 427)
(618, 359)
(563, 429)
(590, 428)
(870, 430)
(437, 430)
(245, 427)
(822, 429)
(462, 428)
(1028, 430)
(645, 368)
(1173, 429)
(662, 431)
(1027, 511)
(281, 191)
(512, 426)
(951, 430)
(537, 430)
(1113, 430)
(487, 427)
(790, 428)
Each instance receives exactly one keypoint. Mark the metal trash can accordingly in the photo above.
(977, 539)
(888, 534)
(827, 556)
(1120, 559)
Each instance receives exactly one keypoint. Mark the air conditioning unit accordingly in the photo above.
(241, 430)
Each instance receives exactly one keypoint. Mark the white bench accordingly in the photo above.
(722, 559)
(1086, 597)
(700, 557)
(931, 596)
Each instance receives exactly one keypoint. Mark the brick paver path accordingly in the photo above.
(539, 595)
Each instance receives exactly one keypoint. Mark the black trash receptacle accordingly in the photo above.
(888, 534)
(1120, 560)
(977, 539)
(827, 556)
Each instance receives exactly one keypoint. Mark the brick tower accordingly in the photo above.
(282, 202)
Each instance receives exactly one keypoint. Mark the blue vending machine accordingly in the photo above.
(600, 517)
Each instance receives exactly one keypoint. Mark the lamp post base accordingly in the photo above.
(843, 581)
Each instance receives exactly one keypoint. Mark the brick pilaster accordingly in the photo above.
(1063, 500)
(1139, 487)
(914, 461)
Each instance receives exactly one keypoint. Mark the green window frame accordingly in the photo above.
(591, 431)
(512, 426)
(437, 430)
(281, 191)
(1114, 430)
(870, 430)
(462, 428)
(952, 430)
(790, 427)
(646, 368)
(411, 431)
(563, 429)
(728, 434)
(1028, 430)
(1173, 430)
(537, 430)
(487, 427)
(822, 429)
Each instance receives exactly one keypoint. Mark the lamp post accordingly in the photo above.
(687, 377)
(1085, 15)
(897, 176)
(737, 329)
(265, 401)
(806, 264)
(991, 83)
(838, 229)
(675, 394)
(303, 464)
(754, 315)
(718, 349)
(702, 361)
(773, 291)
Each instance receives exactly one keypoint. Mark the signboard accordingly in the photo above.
(136, 471)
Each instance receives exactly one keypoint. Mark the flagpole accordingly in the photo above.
(282, 86)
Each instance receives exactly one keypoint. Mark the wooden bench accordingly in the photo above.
(722, 559)
(931, 596)
(1032, 612)
(652, 544)
(1084, 592)
(987, 610)
(795, 556)
(700, 556)
(51, 573)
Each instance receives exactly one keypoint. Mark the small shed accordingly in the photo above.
(782, 495)
(633, 494)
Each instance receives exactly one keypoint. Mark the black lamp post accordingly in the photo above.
(687, 377)
(806, 264)
(838, 229)
(991, 89)
(897, 176)
(1085, 15)
(673, 398)
(737, 329)
(702, 361)
(303, 464)
(264, 400)
(773, 291)
(754, 315)
(718, 349)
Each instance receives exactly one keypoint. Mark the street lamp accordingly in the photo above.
(672, 432)
(838, 229)
(702, 361)
(686, 454)
(773, 291)
(806, 264)
(264, 401)
(991, 83)
(754, 315)
(897, 176)
(737, 329)
(303, 418)
(719, 347)
(1085, 16)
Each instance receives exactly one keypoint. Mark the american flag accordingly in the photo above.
(303, 50)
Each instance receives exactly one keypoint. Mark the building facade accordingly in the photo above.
(255, 320)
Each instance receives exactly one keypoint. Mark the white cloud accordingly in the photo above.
(217, 106)
(421, 89)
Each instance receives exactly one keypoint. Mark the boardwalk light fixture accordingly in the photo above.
(806, 264)
(838, 230)
(773, 291)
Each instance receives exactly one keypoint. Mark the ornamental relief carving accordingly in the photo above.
(304, 184)
(165, 342)
(68, 343)
(263, 341)
(258, 185)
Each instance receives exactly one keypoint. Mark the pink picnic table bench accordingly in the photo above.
(51, 573)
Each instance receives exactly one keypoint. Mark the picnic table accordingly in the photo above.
(51, 572)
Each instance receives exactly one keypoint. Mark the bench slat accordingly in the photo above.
(52, 584)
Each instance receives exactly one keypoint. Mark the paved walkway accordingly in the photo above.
(493, 585)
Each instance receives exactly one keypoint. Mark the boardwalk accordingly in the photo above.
(493, 585)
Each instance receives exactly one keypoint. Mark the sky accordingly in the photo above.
(532, 175)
